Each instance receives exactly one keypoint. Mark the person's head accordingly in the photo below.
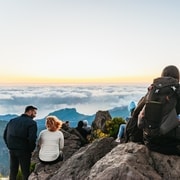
(80, 124)
(131, 107)
(171, 71)
(65, 125)
(31, 111)
(85, 123)
(53, 123)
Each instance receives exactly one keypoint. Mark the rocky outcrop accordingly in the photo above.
(135, 162)
(100, 120)
(104, 159)
(79, 165)
(73, 142)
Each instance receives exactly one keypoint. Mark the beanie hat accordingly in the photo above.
(131, 106)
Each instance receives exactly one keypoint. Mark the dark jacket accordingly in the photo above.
(21, 133)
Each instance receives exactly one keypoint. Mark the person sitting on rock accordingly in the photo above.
(81, 130)
(86, 126)
(122, 127)
(51, 141)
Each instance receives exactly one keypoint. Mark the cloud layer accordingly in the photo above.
(86, 99)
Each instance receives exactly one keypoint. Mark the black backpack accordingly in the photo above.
(160, 107)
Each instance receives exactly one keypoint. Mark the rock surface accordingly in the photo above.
(104, 159)
(100, 120)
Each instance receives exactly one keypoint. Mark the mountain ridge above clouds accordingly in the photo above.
(72, 115)
(7, 117)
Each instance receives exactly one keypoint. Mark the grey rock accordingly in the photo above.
(104, 159)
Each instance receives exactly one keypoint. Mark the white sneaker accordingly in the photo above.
(118, 140)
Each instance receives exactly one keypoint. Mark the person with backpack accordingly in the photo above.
(158, 117)
(122, 127)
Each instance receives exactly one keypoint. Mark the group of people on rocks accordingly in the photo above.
(20, 134)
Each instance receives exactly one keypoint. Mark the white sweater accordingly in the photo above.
(51, 143)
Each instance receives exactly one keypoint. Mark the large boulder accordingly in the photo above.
(132, 161)
(100, 120)
(106, 160)
(79, 165)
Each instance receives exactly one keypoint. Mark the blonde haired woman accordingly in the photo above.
(51, 141)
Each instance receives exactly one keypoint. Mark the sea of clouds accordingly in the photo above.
(87, 99)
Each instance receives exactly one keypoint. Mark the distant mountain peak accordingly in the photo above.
(7, 117)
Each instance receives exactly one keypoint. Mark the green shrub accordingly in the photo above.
(99, 134)
(32, 167)
(112, 126)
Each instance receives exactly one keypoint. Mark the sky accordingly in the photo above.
(87, 41)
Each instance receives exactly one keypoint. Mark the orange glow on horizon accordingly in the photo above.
(106, 80)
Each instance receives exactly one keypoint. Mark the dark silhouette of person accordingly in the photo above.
(20, 137)
(81, 130)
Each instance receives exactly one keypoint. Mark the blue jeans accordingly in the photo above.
(121, 130)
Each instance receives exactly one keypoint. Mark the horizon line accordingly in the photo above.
(76, 81)
(73, 84)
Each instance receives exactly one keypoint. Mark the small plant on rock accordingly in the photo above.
(112, 126)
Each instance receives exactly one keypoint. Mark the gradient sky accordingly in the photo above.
(54, 41)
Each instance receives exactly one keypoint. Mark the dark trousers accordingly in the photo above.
(19, 158)
(60, 158)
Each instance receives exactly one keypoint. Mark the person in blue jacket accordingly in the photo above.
(122, 127)
(20, 137)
